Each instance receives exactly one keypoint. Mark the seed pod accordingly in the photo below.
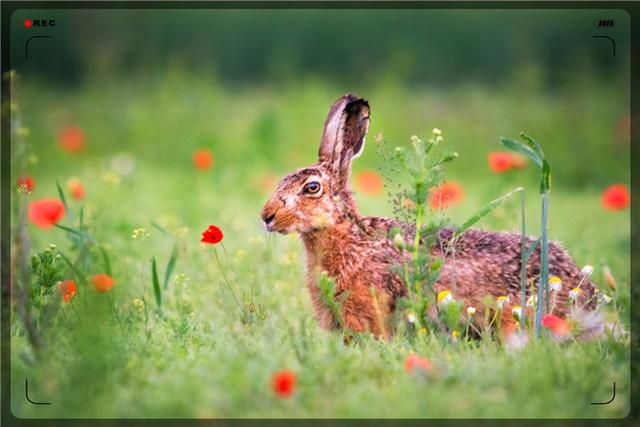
(608, 278)
(398, 240)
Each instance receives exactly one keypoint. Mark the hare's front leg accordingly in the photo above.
(366, 310)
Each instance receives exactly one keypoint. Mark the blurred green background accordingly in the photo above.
(254, 87)
(444, 60)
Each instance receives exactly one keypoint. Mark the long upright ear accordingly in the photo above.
(343, 138)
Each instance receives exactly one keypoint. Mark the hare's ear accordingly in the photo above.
(343, 138)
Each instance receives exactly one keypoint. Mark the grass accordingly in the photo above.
(198, 358)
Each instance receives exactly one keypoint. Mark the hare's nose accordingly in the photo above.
(268, 218)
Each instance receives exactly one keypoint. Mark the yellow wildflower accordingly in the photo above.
(444, 297)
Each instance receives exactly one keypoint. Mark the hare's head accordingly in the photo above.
(318, 196)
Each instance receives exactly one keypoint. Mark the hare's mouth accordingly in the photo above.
(270, 224)
(276, 228)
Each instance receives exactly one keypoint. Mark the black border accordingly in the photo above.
(8, 7)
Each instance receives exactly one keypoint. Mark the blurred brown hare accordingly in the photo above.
(358, 253)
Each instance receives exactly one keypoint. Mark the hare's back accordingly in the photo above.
(481, 263)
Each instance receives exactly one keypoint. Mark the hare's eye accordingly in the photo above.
(311, 187)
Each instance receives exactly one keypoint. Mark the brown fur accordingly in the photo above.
(358, 254)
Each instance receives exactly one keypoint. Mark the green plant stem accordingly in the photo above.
(416, 244)
(113, 307)
(224, 276)
(523, 266)
(544, 263)
(75, 310)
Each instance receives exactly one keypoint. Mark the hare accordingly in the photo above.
(358, 253)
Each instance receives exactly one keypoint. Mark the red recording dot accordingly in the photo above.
(28, 23)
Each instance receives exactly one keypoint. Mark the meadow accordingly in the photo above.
(200, 354)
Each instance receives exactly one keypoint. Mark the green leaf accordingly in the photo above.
(159, 228)
(69, 230)
(61, 194)
(156, 283)
(522, 149)
(105, 260)
(532, 150)
(531, 248)
(484, 212)
(535, 145)
(81, 219)
(80, 277)
(545, 184)
(170, 266)
(328, 296)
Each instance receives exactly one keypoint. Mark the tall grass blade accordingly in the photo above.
(81, 219)
(545, 184)
(105, 260)
(544, 264)
(529, 251)
(484, 212)
(535, 145)
(533, 150)
(62, 197)
(69, 230)
(328, 295)
(170, 266)
(522, 149)
(160, 229)
(75, 271)
(156, 283)
(523, 260)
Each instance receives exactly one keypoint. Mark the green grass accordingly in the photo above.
(198, 359)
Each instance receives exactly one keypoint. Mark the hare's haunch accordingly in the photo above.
(356, 251)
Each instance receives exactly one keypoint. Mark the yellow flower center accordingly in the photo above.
(442, 295)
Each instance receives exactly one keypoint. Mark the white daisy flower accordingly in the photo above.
(502, 301)
(555, 284)
(411, 318)
(471, 311)
(587, 270)
(606, 299)
(574, 293)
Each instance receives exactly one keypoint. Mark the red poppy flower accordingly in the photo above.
(202, 159)
(68, 289)
(446, 195)
(76, 189)
(102, 282)
(415, 363)
(500, 161)
(283, 383)
(44, 213)
(71, 139)
(212, 235)
(555, 324)
(616, 197)
(369, 182)
(27, 183)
